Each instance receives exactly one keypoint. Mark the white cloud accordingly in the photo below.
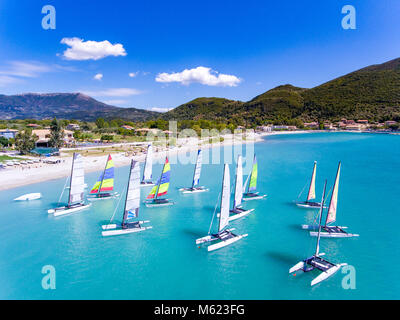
(98, 76)
(113, 92)
(133, 74)
(201, 75)
(160, 109)
(6, 80)
(26, 69)
(91, 50)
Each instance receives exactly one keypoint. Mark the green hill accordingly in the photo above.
(371, 93)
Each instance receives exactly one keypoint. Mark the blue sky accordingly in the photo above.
(231, 49)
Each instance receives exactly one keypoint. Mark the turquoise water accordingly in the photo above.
(164, 262)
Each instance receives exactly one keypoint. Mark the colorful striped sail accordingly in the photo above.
(254, 173)
(106, 179)
(197, 170)
(132, 202)
(164, 180)
(331, 217)
(162, 185)
(153, 191)
(311, 190)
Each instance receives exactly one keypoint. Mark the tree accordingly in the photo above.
(4, 142)
(56, 134)
(25, 142)
(101, 123)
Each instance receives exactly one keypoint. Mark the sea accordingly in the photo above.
(46, 257)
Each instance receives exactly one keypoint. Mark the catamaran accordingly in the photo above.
(131, 209)
(148, 168)
(104, 186)
(160, 189)
(251, 193)
(224, 236)
(28, 197)
(196, 177)
(315, 261)
(327, 230)
(76, 189)
(237, 210)
(311, 193)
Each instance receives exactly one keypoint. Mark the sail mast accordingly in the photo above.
(320, 220)
(331, 216)
(70, 179)
(127, 191)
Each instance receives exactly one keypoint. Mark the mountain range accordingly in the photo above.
(65, 106)
(371, 93)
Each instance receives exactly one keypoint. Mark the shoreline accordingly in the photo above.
(41, 172)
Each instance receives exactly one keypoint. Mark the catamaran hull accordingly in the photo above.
(152, 205)
(333, 234)
(195, 190)
(315, 227)
(117, 232)
(29, 196)
(326, 274)
(63, 211)
(255, 198)
(113, 196)
(308, 206)
(240, 215)
(150, 184)
(225, 243)
(209, 238)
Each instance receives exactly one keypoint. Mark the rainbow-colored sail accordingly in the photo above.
(106, 179)
(162, 186)
(254, 173)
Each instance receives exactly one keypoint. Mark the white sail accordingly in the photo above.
(77, 183)
(239, 183)
(331, 217)
(148, 166)
(132, 203)
(225, 199)
(197, 170)
(311, 191)
(245, 184)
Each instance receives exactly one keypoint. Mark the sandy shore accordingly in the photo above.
(39, 172)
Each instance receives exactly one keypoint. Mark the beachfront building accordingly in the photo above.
(8, 133)
(390, 123)
(127, 127)
(311, 125)
(73, 127)
(32, 125)
(264, 129)
(44, 137)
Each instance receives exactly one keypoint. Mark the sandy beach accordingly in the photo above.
(39, 172)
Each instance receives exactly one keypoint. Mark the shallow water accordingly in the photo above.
(164, 262)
